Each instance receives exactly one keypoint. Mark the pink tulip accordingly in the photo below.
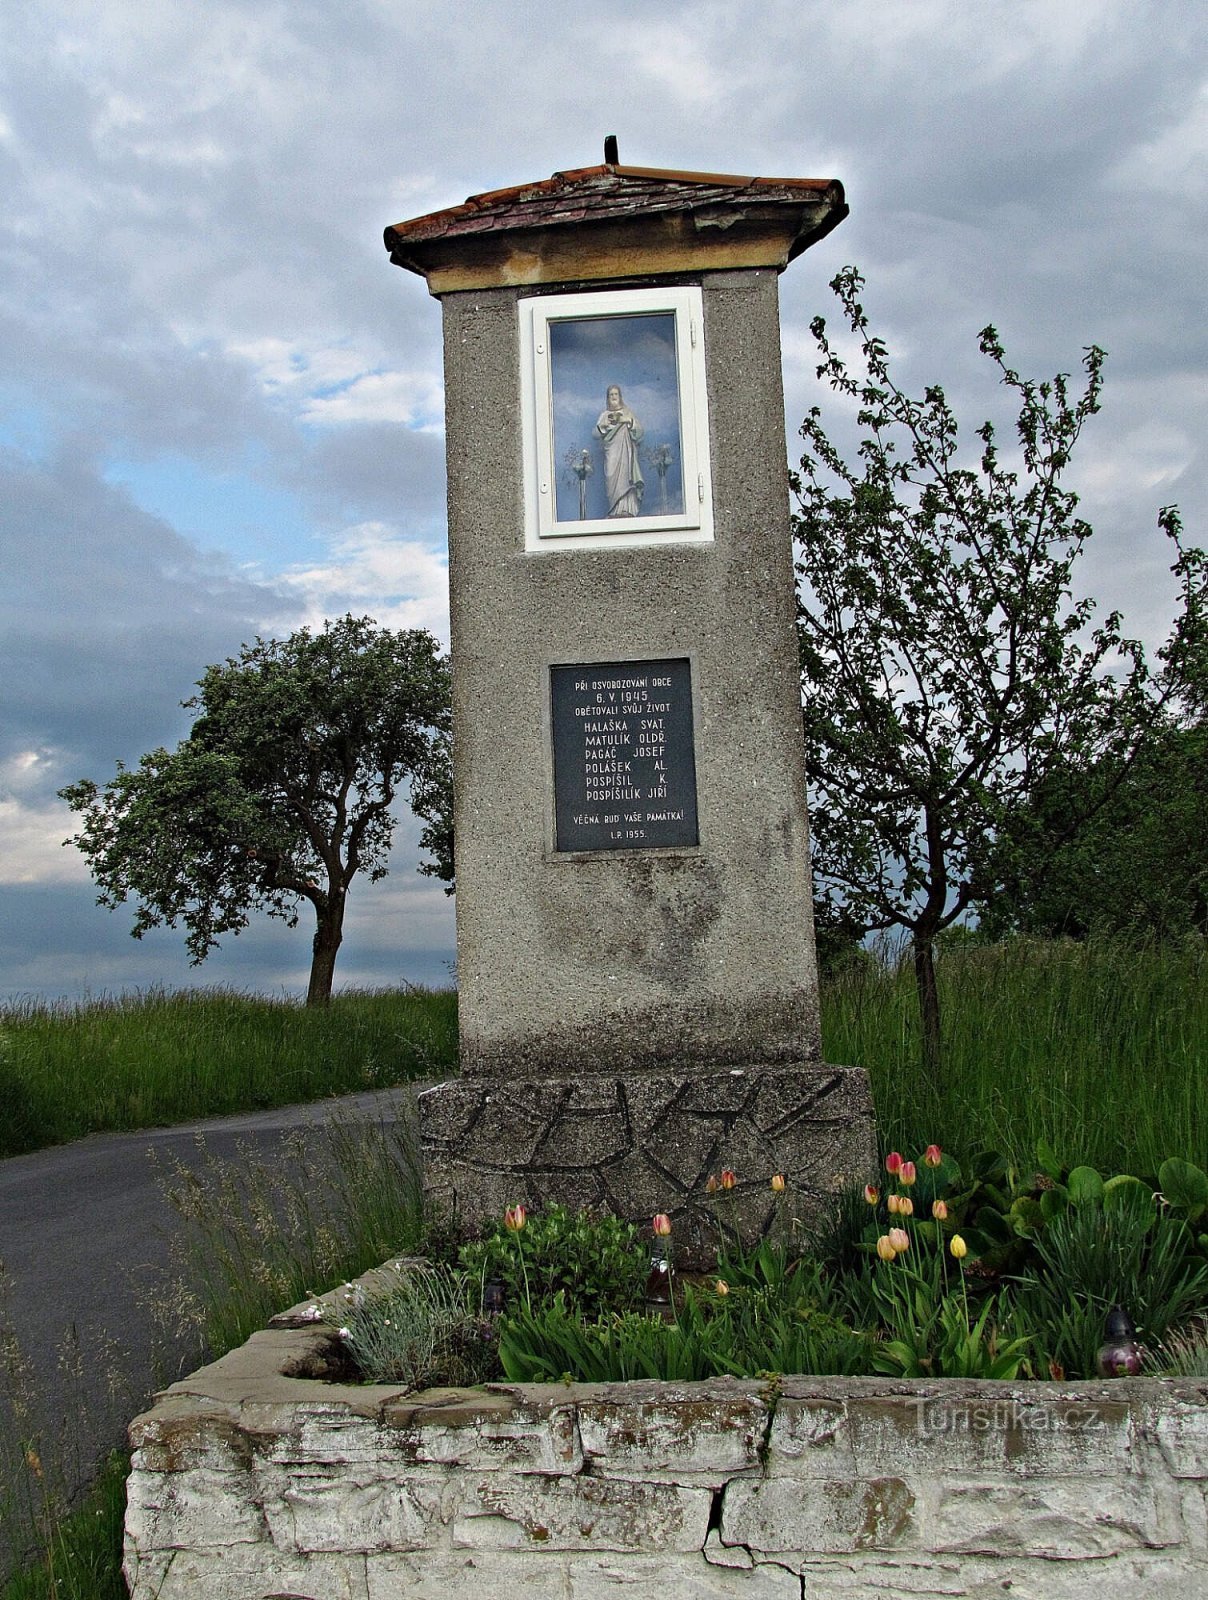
(933, 1155)
(514, 1218)
(871, 1193)
(939, 1211)
(893, 1163)
(728, 1179)
(661, 1224)
(907, 1173)
(899, 1239)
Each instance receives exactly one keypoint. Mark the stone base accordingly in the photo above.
(644, 1143)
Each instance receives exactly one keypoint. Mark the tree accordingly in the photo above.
(947, 669)
(283, 791)
(1139, 866)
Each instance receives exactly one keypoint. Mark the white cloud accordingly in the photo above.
(376, 571)
(334, 384)
(31, 844)
(413, 399)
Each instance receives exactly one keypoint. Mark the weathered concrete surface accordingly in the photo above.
(648, 1142)
(249, 1484)
(683, 960)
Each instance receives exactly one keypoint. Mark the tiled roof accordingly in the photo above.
(607, 193)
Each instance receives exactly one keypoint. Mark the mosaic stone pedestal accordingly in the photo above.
(648, 1142)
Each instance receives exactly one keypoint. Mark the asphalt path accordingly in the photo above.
(85, 1241)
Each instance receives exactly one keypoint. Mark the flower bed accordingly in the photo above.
(261, 1478)
(279, 1473)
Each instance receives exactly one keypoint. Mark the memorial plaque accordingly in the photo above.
(624, 765)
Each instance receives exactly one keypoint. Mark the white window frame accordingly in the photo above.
(693, 525)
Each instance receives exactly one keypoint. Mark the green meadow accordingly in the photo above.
(1100, 1048)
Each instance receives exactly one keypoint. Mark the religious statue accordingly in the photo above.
(622, 433)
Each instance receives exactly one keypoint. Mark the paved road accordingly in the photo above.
(84, 1235)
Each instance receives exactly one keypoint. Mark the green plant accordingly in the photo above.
(1092, 1257)
(1184, 1354)
(947, 668)
(146, 1059)
(741, 1334)
(427, 1330)
(282, 793)
(264, 1231)
(82, 1558)
(593, 1259)
(1097, 1048)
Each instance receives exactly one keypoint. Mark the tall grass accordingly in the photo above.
(1100, 1048)
(258, 1234)
(148, 1059)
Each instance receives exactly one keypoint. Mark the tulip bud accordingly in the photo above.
(514, 1218)
(885, 1248)
(893, 1163)
(711, 1185)
(899, 1239)
(893, 1204)
(661, 1224)
(722, 1286)
(933, 1156)
(871, 1193)
(778, 1183)
(905, 1206)
(958, 1247)
(939, 1211)
(907, 1173)
(728, 1179)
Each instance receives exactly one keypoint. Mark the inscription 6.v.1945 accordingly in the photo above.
(624, 765)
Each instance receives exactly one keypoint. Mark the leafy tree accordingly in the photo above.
(947, 669)
(283, 791)
(1139, 865)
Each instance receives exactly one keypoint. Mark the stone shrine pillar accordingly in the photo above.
(636, 971)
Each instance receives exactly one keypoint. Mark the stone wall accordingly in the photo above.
(256, 1480)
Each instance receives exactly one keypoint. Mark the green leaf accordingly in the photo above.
(1085, 1187)
(1185, 1185)
(1047, 1160)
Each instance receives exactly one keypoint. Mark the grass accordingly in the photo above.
(1100, 1048)
(159, 1058)
(259, 1233)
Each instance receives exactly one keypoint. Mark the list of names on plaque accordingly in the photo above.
(624, 764)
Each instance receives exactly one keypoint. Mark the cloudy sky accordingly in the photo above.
(221, 407)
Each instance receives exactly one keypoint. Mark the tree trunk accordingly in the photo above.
(929, 1005)
(329, 935)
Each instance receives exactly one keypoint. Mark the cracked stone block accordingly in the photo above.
(783, 1515)
(685, 1437)
(248, 1573)
(478, 1574)
(867, 1577)
(983, 1430)
(810, 1439)
(329, 1509)
(678, 1578)
(502, 1512)
(1061, 1518)
(1181, 1430)
(488, 1436)
(177, 1510)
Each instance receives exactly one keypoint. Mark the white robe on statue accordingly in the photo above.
(622, 433)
